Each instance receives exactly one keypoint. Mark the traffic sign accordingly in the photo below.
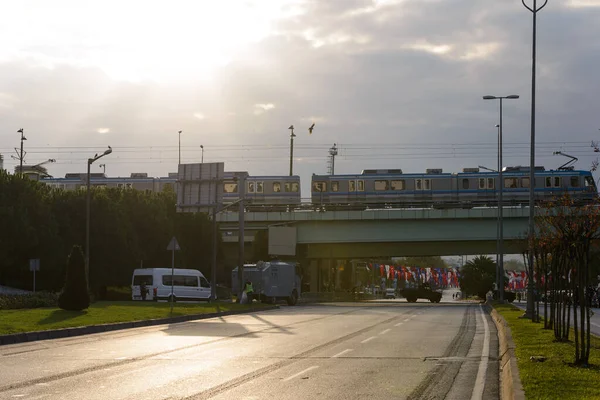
(34, 264)
(173, 245)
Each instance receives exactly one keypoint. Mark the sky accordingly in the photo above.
(393, 83)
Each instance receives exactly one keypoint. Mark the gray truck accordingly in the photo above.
(424, 291)
(272, 281)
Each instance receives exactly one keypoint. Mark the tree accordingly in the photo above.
(477, 276)
(75, 296)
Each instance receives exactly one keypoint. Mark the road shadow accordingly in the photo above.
(208, 328)
(61, 315)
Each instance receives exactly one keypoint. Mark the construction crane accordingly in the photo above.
(566, 166)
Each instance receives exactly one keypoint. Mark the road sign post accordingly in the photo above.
(173, 246)
(34, 265)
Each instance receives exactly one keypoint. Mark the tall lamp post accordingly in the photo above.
(87, 211)
(21, 155)
(180, 146)
(500, 264)
(202, 148)
(292, 136)
(530, 305)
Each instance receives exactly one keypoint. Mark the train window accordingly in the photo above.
(291, 187)
(491, 183)
(557, 181)
(510, 183)
(398, 185)
(230, 187)
(360, 186)
(319, 186)
(381, 185)
(481, 183)
(427, 184)
(548, 181)
(276, 187)
(465, 183)
(589, 181)
(335, 186)
(259, 187)
(418, 184)
(251, 187)
(351, 186)
(119, 185)
(524, 182)
(574, 181)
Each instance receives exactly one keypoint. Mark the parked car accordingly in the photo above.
(188, 284)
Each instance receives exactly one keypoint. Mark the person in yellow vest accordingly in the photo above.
(249, 290)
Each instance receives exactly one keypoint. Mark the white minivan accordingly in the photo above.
(188, 284)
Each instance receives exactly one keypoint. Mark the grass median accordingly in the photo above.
(554, 378)
(105, 312)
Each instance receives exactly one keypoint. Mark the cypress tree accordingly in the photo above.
(75, 295)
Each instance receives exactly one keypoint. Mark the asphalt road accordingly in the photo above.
(379, 350)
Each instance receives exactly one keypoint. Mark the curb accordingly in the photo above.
(86, 330)
(510, 382)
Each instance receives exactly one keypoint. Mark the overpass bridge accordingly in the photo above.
(388, 232)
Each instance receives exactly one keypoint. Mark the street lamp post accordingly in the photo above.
(500, 264)
(292, 136)
(530, 305)
(103, 166)
(87, 212)
(180, 147)
(21, 156)
(202, 148)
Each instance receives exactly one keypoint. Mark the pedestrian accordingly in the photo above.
(143, 290)
(249, 290)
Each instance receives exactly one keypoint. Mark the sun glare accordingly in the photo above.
(140, 40)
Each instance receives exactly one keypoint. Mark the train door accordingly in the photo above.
(321, 192)
(486, 190)
(356, 191)
(423, 191)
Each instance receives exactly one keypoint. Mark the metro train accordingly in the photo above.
(373, 188)
(470, 188)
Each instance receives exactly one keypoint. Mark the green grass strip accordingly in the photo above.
(104, 312)
(553, 378)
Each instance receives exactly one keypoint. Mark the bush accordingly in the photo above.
(118, 293)
(32, 300)
(75, 295)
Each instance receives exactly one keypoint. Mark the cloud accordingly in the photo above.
(262, 108)
(394, 83)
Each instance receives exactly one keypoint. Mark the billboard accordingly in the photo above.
(199, 186)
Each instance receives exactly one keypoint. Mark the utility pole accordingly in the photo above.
(242, 192)
(180, 147)
(333, 151)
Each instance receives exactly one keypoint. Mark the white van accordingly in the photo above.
(188, 284)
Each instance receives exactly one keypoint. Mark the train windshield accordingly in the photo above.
(589, 183)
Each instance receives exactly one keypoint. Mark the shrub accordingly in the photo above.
(31, 300)
(75, 295)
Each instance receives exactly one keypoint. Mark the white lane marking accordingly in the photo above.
(342, 353)
(289, 378)
(384, 332)
(399, 323)
(368, 340)
(483, 364)
(121, 358)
